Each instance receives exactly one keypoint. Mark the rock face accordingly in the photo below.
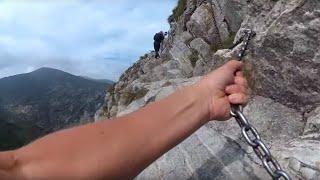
(313, 123)
(287, 49)
(282, 67)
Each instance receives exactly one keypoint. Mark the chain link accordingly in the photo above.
(251, 134)
(254, 132)
(262, 151)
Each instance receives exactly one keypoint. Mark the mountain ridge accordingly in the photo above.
(45, 100)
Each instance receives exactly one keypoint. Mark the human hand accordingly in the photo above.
(225, 86)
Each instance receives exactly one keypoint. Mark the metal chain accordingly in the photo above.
(250, 133)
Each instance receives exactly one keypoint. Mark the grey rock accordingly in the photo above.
(205, 155)
(285, 53)
(274, 121)
(300, 158)
(202, 47)
(202, 25)
(134, 106)
(233, 12)
(200, 68)
(181, 53)
(313, 123)
(155, 91)
(184, 37)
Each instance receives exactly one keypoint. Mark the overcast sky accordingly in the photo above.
(95, 38)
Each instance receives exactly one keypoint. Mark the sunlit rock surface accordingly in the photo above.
(283, 69)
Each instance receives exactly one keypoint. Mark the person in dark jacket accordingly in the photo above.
(158, 38)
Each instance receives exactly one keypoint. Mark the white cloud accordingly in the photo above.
(93, 38)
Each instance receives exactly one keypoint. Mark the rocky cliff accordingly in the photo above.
(282, 66)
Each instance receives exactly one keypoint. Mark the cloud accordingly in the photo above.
(94, 38)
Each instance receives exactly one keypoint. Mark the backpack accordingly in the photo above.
(158, 37)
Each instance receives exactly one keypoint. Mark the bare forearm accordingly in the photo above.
(121, 148)
(117, 149)
(165, 124)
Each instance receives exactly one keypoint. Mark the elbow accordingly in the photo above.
(8, 160)
(9, 164)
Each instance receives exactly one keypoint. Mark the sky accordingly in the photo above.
(94, 38)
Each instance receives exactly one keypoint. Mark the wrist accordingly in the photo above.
(203, 100)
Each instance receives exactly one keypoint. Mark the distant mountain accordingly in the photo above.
(43, 101)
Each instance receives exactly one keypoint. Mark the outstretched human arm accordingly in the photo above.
(123, 147)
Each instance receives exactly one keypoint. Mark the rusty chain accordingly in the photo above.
(250, 133)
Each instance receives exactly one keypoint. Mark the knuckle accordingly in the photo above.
(233, 61)
(237, 89)
(241, 89)
(241, 98)
(241, 81)
(244, 89)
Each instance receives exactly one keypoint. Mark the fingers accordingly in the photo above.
(238, 98)
(241, 81)
(237, 94)
(238, 91)
(240, 85)
(239, 73)
(234, 65)
(234, 89)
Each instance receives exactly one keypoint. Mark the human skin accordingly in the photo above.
(121, 148)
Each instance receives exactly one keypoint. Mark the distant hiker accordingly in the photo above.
(158, 38)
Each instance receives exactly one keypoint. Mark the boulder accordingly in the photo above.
(201, 47)
(202, 25)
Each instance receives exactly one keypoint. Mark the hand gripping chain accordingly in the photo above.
(250, 133)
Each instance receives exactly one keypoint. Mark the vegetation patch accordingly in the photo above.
(214, 47)
(105, 112)
(178, 11)
(111, 89)
(13, 136)
(194, 57)
(226, 44)
(130, 95)
(143, 57)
